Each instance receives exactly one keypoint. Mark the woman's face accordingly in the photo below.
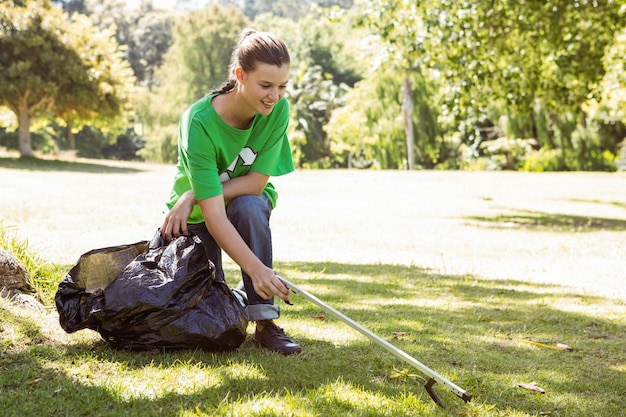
(264, 87)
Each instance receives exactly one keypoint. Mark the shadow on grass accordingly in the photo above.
(463, 327)
(535, 220)
(611, 203)
(38, 164)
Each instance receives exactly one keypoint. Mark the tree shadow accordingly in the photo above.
(45, 165)
(463, 327)
(557, 223)
(611, 203)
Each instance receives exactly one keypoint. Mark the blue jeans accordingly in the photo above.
(250, 214)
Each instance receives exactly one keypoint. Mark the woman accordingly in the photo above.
(230, 143)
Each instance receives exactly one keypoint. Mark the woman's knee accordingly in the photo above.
(249, 207)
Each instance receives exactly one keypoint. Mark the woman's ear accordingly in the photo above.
(239, 74)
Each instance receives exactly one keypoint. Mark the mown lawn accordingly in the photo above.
(471, 331)
(462, 271)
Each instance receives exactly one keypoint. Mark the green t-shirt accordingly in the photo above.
(210, 152)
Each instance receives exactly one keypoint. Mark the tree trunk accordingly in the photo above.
(71, 138)
(407, 111)
(23, 120)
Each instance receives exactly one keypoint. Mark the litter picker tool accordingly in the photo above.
(434, 377)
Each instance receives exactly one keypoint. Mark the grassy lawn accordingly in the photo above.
(486, 335)
(471, 331)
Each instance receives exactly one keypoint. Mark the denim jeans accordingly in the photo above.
(250, 214)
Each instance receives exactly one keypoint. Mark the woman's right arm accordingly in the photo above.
(264, 279)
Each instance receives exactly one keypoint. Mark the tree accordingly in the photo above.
(289, 9)
(403, 47)
(49, 65)
(195, 64)
(198, 60)
(612, 100)
(313, 98)
(100, 101)
(72, 6)
(145, 32)
(324, 65)
(516, 53)
(370, 129)
(151, 38)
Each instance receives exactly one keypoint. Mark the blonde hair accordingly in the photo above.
(254, 47)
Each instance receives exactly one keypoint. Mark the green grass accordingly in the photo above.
(44, 276)
(55, 165)
(468, 329)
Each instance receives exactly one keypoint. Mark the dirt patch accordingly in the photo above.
(448, 222)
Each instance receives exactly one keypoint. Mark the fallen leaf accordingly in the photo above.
(397, 335)
(399, 374)
(321, 317)
(34, 381)
(532, 387)
(558, 346)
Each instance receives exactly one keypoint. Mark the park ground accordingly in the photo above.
(567, 229)
(479, 274)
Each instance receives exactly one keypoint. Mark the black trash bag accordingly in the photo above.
(146, 296)
(80, 296)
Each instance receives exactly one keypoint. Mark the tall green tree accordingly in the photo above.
(505, 51)
(98, 101)
(145, 33)
(403, 51)
(150, 38)
(198, 60)
(370, 129)
(324, 65)
(611, 105)
(51, 65)
(195, 64)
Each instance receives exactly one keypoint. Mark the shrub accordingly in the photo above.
(542, 160)
(90, 141)
(126, 147)
(8, 139)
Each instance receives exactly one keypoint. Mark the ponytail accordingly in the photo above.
(228, 86)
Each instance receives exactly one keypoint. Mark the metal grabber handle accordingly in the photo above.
(433, 376)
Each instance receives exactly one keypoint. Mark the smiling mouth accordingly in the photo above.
(268, 104)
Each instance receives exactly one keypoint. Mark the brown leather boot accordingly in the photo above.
(272, 337)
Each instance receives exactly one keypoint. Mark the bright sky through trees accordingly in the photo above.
(169, 4)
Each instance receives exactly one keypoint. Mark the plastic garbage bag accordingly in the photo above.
(152, 295)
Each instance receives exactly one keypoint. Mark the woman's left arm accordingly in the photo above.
(252, 183)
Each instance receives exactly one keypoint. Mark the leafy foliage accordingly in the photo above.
(513, 56)
(324, 67)
(611, 105)
(49, 64)
(195, 64)
(290, 9)
(549, 74)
